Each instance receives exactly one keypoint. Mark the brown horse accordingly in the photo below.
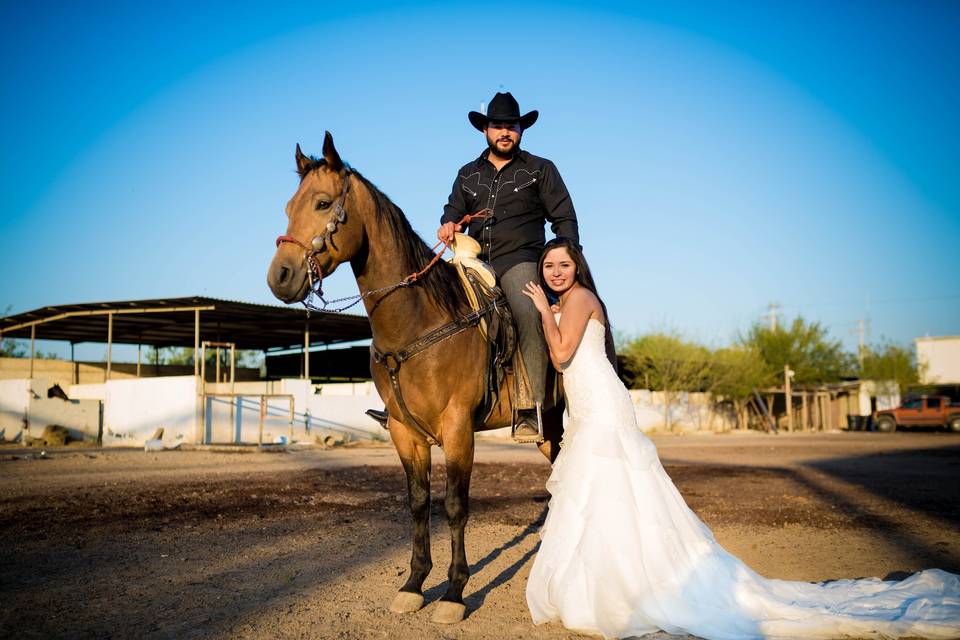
(337, 216)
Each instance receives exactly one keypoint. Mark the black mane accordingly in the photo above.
(441, 282)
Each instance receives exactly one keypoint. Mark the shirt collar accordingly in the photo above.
(520, 157)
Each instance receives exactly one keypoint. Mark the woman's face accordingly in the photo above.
(559, 270)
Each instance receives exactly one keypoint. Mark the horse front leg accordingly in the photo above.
(415, 458)
(458, 451)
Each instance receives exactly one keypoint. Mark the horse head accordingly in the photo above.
(320, 233)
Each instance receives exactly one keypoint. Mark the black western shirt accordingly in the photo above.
(521, 196)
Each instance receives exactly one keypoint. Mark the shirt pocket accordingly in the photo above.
(525, 184)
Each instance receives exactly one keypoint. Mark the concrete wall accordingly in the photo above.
(688, 412)
(24, 404)
(133, 409)
(939, 360)
(320, 411)
(81, 418)
(15, 396)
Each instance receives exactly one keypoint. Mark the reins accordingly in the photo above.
(321, 242)
(391, 360)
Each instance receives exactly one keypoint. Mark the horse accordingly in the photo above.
(337, 216)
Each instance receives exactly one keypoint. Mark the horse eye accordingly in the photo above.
(323, 204)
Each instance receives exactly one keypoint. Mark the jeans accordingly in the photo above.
(532, 344)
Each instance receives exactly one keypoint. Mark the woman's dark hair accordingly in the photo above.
(585, 279)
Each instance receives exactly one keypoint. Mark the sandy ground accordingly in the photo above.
(313, 544)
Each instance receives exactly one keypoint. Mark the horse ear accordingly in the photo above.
(303, 162)
(330, 153)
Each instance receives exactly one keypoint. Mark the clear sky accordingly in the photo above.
(721, 155)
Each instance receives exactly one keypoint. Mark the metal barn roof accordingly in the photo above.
(171, 322)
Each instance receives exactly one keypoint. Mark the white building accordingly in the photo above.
(938, 359)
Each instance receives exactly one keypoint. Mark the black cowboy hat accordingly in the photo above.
(503, 108)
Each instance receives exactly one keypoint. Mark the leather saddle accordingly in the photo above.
(488, 302)
(498, 328)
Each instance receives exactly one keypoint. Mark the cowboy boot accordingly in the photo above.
(379, 416)
(529, 425)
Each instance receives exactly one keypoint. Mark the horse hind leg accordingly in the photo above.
(415, 458)
(459, 461)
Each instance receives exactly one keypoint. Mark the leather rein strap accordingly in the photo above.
(391, 360)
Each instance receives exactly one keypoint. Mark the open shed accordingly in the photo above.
(193, 404)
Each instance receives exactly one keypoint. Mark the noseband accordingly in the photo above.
(320, 243)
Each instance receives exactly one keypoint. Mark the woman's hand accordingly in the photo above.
(535, 293)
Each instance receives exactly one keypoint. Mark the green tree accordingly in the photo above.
(890, 362)
(179, 355)
(666, 362)
(10, 348)
(805, 347)
(737, 371)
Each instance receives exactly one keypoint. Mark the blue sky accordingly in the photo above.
(721, 156)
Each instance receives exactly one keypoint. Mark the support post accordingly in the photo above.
(306, 351)
(109, 344)
(789, 396)
(263, 413)
(138, 360)
(233, 386)
(196, 340)
(804, 412)
(33, 347)
(201, 390)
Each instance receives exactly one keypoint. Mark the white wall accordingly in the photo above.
(133, 409)
(688, 412)
(87, 391)
(15, 398)
(81, 418)
(939, 360)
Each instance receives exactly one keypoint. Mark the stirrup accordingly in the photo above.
(537, 438)
(379, 416)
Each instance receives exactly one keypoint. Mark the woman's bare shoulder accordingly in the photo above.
(583, 298)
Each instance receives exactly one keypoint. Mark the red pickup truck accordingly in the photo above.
(925, 411)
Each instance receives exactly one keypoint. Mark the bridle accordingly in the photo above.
(320, 243)
(391, 360)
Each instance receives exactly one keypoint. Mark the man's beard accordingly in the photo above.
(500, 154)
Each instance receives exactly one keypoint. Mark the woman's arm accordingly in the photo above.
(564, 339)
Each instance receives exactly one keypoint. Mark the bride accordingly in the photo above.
(622, 555)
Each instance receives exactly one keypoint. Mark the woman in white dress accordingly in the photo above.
(622, 555)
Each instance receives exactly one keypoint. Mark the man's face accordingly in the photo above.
(503, 138)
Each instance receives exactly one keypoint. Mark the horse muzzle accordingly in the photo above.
(288, 279)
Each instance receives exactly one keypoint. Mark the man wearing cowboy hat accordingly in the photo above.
(520, 192)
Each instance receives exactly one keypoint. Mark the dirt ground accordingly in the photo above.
(314, 543)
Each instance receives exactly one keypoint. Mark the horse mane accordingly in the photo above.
(440, 282)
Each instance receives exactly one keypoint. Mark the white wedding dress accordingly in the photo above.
(622, 555)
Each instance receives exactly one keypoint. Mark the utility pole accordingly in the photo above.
(861, 332)
(772, 315)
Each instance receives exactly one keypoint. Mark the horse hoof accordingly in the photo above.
(406, 602)
(449, 612)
